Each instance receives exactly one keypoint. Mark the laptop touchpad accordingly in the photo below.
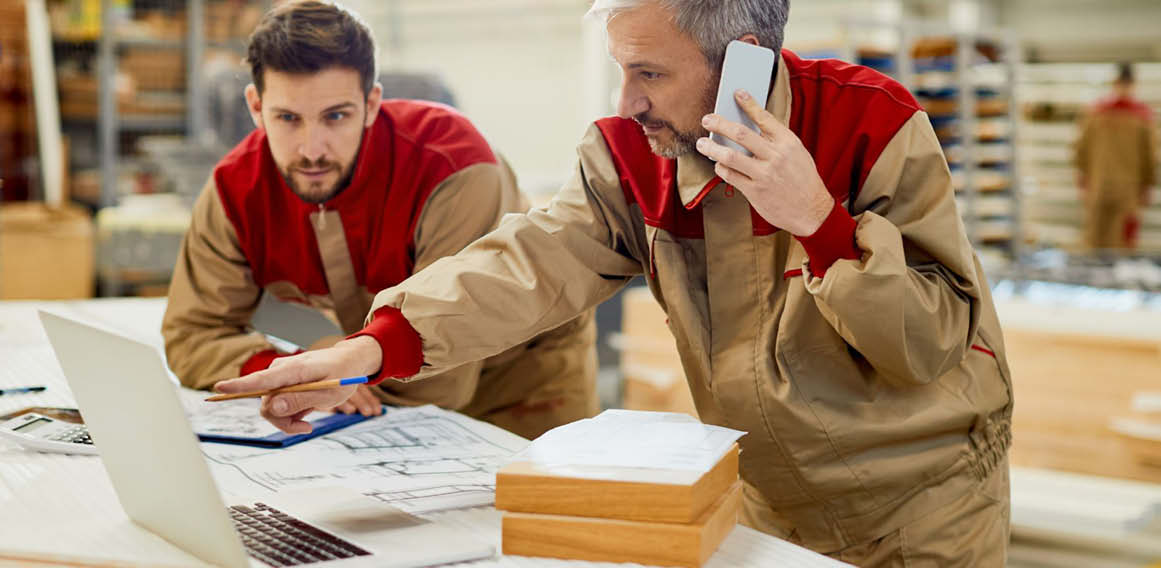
(343, 510)
(366, 518)
(397, 538)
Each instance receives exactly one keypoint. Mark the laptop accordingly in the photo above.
(162, 480)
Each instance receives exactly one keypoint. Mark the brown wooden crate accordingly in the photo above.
(161, 70)
(45, 254)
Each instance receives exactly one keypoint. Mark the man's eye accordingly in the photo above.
(287, 117)
(337, 115)
(650, 75)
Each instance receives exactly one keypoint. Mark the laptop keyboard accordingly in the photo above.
(279, 539)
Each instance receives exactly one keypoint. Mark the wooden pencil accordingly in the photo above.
(317, 385)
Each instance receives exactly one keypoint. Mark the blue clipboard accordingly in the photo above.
(282, 440)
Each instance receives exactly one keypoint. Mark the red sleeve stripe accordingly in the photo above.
(834, 240)
(401, 345)
(262, 360)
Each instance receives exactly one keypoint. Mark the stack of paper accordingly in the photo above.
(626, 486)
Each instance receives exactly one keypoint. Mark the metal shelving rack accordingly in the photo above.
(109, 121)
(967, 85)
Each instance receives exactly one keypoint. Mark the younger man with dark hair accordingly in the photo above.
(339, 195)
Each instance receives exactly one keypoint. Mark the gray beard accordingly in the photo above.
(683, 143)
(686, 142)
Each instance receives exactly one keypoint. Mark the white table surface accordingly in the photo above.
(63, 508)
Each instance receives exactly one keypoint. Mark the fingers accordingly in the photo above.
(740, 133)
(728, 157)
(366, 401)
(734, 167)
(288, 371)
(291, 403)
(759, 115)
(363, 401)
(733, 177)
(291, 424)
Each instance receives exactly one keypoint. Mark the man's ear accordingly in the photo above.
(750, 39)
(254, 104)
(373, 99)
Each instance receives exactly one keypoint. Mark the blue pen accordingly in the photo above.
(20, 390)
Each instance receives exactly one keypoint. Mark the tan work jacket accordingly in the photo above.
(871, 395)
(426, 186)
(1116, 153)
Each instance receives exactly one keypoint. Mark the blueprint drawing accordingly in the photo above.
(419, 459)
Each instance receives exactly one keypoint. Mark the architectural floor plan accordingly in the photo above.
(419, 459)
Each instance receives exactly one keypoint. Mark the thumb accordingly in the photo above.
(287, 404)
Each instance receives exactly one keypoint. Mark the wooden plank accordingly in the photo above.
(612, 540)
(1067, 388)
(640, 494)
(650, 364)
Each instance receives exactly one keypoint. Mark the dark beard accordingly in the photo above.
(342, 184)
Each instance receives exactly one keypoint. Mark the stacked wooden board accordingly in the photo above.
(618, 514)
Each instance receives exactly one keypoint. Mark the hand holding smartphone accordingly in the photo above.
(749, 67)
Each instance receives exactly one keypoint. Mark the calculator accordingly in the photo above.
(39, 432)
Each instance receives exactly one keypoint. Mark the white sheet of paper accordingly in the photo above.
(637, 439)
(237, 417)
(419, 459)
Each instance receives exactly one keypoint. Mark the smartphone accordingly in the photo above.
(749, 67)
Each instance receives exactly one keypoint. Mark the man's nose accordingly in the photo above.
(631, 102)
(313, 146)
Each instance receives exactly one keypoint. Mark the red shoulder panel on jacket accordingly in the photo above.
(647, 179)
(411, 148)
(1132, 106)
(844, 114)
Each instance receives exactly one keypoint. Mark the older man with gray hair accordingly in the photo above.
(822, 293)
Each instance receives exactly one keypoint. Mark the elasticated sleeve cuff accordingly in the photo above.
(834, 240)
(401, 345)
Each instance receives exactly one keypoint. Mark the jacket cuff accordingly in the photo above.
(401, 345)
(834, 240)
(261, 360)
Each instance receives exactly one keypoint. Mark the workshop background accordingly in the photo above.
(113, 113)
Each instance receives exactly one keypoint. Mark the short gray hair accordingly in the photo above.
(713, 24)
